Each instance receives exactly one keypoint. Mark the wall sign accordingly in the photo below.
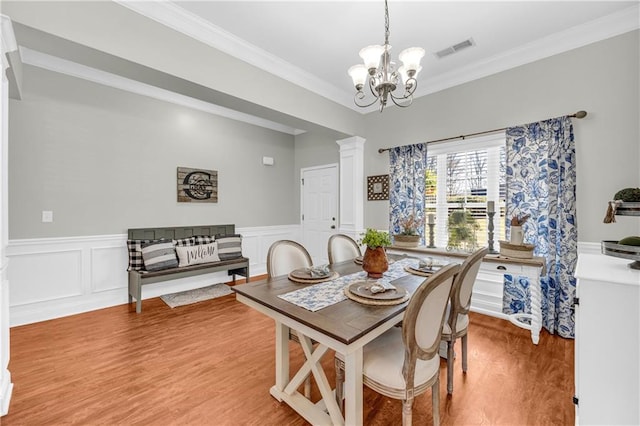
(378, 187)
(197, 185)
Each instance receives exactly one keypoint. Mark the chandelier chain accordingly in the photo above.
(386, 23)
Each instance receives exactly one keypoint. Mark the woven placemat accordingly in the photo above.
(413, 271)
(366, 301)
(331, 277)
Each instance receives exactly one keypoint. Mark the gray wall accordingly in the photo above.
(602, 78)
(104, 160)
(314, 149)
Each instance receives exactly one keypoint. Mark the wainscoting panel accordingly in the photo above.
(30, 276)
(107, 264)
(56, 277)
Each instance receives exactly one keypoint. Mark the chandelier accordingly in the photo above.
(382, 74)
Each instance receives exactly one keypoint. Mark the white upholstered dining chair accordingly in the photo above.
(342, 247)
(457, 320)
(403, 362)
(283, 257)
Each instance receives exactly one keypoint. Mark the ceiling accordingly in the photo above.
(313, 43)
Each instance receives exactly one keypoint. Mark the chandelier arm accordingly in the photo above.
(360, 95)
(409, 99)
(413, 83)
(372, 87)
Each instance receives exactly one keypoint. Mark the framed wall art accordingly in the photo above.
(378, 187)
(197, 185)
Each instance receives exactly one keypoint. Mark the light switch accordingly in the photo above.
(47, 216)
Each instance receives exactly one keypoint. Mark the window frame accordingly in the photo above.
(492, 144)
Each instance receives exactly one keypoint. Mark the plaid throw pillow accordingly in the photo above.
(184, 242)
(203, 239)
(229, 246)
(134, 247)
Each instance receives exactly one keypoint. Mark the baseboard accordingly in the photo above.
(6, 389)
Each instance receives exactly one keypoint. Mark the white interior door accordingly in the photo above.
(319, 209)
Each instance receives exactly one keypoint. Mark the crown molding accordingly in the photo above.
(177, 18)
(572, 38)
(63, 66)
(8, 42)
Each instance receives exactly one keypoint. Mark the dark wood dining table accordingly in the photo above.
(345, 327)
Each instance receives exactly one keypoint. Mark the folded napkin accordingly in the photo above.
(319, 271)
(426, 263)
(381, 287)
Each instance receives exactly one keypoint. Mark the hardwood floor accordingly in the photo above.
(212, 363)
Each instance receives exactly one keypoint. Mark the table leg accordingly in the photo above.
(353, 388)
(282, 358)
(536, 309)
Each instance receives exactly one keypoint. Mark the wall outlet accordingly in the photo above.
(47, 216)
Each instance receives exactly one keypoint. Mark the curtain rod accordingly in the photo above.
(579, 114)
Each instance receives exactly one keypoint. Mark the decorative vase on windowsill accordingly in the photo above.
(374, 261)
(401, 240)
(409, 236)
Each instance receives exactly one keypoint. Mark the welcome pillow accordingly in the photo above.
(194, 255)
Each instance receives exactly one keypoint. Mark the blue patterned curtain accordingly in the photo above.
(407, 168)
(541, 182)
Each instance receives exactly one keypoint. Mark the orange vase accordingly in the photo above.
(375, 262)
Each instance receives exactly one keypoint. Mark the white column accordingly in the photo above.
(351, 185)
(6, 386)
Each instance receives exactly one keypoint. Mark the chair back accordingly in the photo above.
(284, 256)
(463, 285)
(424, 317)
(342, 247)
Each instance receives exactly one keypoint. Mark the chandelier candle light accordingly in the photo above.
(382, 73)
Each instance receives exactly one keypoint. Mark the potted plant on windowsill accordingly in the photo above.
(374, 261)
(409, 236)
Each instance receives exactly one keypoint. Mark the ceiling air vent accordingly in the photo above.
(455, 48)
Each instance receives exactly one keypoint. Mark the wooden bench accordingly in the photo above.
(137, 279)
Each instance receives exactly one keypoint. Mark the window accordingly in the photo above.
(461, 177)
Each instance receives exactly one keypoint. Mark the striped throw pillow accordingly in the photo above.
(159, 255)
(229, 246)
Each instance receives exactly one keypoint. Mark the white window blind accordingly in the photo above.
(464, 176)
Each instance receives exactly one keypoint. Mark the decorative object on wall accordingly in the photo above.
(197, 185)
(378, 187)
(384, 79)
